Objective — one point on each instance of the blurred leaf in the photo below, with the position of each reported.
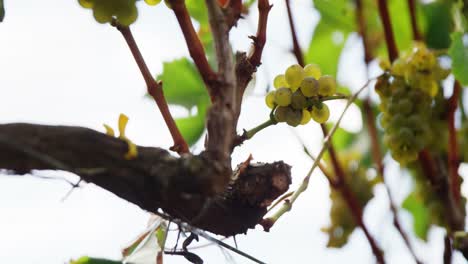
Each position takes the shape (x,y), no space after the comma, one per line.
(197,10)
(337,13)
(326,46)
(438,24)
(342,139)
(88,260)
(2,11)
(182,83)
(421,222)
(401,24)
(192,127)
(459,53)
(330,34)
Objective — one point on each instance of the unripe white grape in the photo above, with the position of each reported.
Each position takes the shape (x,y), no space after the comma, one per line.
(270,99)
(280,81)
(312,70)
(283,96)
(320,114)
(327,85)
(294,75)
(310,87)
(305,117)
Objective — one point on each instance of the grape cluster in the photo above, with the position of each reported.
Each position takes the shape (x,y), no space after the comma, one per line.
(419,68)
(342,222)
(407,91)
(124,11)
(299,93)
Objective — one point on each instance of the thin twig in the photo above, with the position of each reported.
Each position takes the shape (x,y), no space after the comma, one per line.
(414,24)
(448,249)
(453,152)
(233,12)
(194,45)
(387,25)
(296,48)
(155,90)
(260,38)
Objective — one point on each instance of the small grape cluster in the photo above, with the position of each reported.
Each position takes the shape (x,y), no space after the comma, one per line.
(419,68)
(104,11)
(299,93)
(406,91)
(342,222)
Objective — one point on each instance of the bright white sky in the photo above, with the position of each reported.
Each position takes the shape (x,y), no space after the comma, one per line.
(58,66)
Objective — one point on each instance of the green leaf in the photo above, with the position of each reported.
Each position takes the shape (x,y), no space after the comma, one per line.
(458,51)
(336,22)
(326,46)
(182,83)
(2,11)
(342,139)
(415,205)
(89,260)
(192,127)
(337,13)
(438,24)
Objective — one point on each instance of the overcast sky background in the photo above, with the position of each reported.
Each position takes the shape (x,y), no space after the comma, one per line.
(58,66)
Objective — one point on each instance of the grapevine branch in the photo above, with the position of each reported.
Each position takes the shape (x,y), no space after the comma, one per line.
(194,45)
(453,156)
(296,48)
(260,38)
(340,182)
(388,31)
(233,12)
(414,25)
(155,90)
(373,134)
(153,180)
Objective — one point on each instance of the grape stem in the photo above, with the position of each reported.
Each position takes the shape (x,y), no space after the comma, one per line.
(334,97)
(250,133)
(155,90)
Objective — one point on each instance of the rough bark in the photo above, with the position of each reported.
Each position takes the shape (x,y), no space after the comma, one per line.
(182,187)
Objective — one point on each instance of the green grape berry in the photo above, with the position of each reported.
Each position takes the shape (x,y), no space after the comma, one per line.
(86,3)
(327,85)
(320,114)
(312,70)
(102,12)
(309,87)
(280,81)
(270,99)
(305,117)
(280,113)
(283,96)
(293,117)
(127,13)
(152,2)
(298,100)
(294,75)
